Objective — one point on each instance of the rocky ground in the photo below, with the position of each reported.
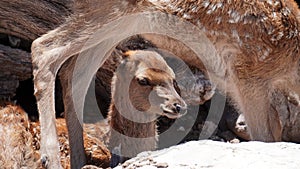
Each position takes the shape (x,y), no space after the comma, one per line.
(217,155)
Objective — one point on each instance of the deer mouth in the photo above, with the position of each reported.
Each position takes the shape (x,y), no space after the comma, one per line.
(172,114)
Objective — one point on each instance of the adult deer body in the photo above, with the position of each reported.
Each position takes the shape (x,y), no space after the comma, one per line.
(257,63)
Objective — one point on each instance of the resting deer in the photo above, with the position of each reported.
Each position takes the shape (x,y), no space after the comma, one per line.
(16,148)
(256,61)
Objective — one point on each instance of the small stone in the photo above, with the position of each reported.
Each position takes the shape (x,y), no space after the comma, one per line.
(234,141)
(161,165)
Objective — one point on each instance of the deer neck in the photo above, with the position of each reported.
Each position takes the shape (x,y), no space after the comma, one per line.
(131,128)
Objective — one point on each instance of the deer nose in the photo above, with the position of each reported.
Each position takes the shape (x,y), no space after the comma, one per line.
(177,107)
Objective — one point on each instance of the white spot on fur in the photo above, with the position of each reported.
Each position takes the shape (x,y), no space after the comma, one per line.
(286,11)
(264,54)
(264,18)
(280,35)
(270,2)
(218,20)
(186,16)
(274,14)
(296,32)
(290,35)
(205,4)
(235,16)
(170,6)
(276,3)
(235,35)
(213,7)
(248,36)
(194,9)
(262,58)
(219,5)
(209,11)
(229,12)
(270,30)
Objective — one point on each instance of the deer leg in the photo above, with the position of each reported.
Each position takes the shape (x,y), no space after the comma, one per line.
(75,129)
(262,121)
(44,92)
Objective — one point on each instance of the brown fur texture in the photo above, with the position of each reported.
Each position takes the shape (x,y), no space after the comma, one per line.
(150,85)
(16,140)
(258,58)
(258,45)
(20,141)
(95,151)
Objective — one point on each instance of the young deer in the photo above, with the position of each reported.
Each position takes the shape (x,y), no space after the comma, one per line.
(142,89)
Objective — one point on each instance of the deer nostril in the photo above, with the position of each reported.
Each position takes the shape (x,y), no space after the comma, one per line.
(177,106)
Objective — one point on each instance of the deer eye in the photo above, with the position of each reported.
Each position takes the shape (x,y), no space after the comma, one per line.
(143,81)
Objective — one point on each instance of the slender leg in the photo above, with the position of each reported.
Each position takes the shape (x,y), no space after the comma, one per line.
(44,92)
(75,130)
(262,121)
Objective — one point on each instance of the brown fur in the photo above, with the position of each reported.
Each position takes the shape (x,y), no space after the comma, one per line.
(131,123)
(259,53)
(16,140)
(257,43)
(96,152)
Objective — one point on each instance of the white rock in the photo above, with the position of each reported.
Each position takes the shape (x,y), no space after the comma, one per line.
(220,155)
